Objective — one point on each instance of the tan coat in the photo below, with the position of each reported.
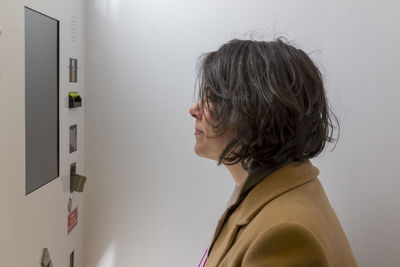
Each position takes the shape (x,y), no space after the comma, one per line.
(285,220)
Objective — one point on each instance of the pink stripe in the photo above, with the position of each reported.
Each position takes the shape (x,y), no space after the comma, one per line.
(205,262)
(203,258)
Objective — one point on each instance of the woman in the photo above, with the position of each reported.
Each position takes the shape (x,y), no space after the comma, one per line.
(262,112)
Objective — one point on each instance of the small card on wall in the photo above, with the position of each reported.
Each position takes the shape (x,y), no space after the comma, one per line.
(73,70)
(72,219)
(73,136)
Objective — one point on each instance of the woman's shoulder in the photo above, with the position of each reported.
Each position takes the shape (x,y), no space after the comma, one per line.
(302,215)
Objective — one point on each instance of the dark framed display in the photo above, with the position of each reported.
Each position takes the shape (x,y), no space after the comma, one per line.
(73,70)
(41,99)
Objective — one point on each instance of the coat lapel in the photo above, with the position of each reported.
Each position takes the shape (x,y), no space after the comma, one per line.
(277,183)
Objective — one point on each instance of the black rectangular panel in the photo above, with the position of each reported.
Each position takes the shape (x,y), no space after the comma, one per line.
(41,99)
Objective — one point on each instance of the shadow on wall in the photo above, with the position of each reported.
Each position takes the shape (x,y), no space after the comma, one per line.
(108,257)
(108,8)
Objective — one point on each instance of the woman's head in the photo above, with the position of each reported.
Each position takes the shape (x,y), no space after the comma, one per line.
(260,103)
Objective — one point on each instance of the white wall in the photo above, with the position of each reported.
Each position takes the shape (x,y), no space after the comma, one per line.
(30,223)
(151,201)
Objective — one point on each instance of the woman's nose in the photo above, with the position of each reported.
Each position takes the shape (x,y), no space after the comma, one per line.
(195,111)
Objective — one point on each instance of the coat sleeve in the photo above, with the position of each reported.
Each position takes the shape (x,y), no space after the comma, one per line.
(285,245)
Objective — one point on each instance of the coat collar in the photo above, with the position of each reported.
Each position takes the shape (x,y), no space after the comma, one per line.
(277,183)
(252,179)
(273,185)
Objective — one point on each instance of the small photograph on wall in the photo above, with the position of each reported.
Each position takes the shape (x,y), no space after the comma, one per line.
(73,70)
(73,136)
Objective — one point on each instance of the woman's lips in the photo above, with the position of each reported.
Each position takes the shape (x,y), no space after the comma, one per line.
(197,132)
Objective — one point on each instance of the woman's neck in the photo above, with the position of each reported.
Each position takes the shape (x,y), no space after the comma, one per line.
(238,173)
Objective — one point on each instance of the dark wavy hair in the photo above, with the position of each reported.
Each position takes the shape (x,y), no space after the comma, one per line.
(272,96)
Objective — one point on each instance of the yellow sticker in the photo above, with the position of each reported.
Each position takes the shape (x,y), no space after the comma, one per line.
(74,94)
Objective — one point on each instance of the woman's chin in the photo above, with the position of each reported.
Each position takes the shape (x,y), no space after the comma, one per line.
(198,152)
